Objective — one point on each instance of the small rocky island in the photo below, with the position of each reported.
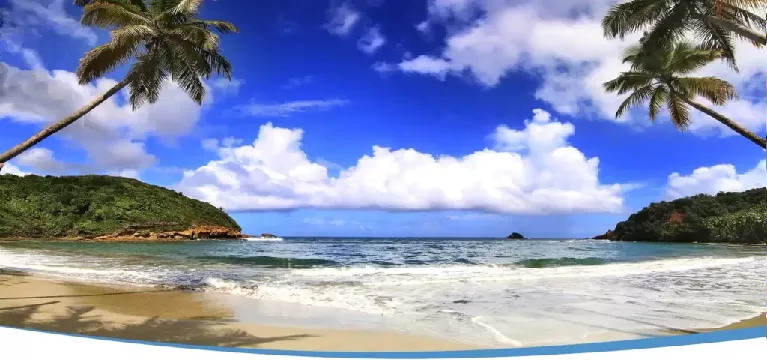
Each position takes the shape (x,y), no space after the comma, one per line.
(105,208)
(515,236)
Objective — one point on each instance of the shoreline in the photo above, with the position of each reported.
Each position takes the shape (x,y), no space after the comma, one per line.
(142,240)
(175,316)
(198,318)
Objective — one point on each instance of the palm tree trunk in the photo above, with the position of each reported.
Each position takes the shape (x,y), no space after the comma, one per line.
(54,128)
(756,139)
(755,36)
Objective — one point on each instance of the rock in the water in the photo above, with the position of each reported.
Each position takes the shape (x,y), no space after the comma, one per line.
(516,236)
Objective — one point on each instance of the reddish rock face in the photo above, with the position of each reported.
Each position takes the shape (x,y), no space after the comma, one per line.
(675,218)
(196,232)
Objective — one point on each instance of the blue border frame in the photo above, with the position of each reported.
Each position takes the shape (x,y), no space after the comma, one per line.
(665,341)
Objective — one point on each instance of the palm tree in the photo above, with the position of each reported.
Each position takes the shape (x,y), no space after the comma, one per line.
(164,38)
(714,22)
(660,80)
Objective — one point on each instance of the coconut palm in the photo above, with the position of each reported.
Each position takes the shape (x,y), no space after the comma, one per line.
(714,22)
(164,39)
(661,81)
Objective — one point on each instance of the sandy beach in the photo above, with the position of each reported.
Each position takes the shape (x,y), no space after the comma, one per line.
(173,316)
(143,313)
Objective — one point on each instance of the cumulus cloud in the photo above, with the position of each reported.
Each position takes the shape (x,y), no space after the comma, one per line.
(343,18)
(10,169)
(715,179)
(112,134)
(41,160)
(290,108)
(532,170)
(562,43)
(372,41)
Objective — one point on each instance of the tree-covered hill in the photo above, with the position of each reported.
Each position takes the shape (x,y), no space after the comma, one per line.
(730,217)
(91,206)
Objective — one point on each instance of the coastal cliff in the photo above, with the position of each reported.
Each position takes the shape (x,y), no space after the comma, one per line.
(728,217)
(105,208)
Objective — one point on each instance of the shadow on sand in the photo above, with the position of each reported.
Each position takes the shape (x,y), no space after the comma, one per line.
(83,320)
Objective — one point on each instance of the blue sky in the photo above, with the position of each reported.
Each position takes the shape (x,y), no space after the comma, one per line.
(488,117)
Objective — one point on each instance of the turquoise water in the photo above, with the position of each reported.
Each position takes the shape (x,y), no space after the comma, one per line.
(487,291)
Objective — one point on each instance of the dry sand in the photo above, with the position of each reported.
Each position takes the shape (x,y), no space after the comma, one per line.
(174,316)
(188,317)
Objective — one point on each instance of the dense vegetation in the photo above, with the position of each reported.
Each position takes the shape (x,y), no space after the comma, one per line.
(94,205)
(724,218)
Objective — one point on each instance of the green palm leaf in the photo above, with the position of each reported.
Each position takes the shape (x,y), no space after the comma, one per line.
(660,79)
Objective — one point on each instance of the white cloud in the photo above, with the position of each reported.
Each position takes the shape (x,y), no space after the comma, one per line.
(290,108)
(530,170)
(40,159)
(342,20)
(383,68)
(112,134)
(563,44)
(130,173)
(216,144)
(372,41)
(423,27)
(9,169)
(51,14)
(715,179)
(227,87)
(426,65)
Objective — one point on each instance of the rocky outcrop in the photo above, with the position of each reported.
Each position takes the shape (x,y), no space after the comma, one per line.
(608,235)
(515,236)
(197,232)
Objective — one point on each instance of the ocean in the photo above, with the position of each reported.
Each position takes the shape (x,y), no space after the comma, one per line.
(488,292)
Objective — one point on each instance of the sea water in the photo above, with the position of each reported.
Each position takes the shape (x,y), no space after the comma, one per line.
(487,292)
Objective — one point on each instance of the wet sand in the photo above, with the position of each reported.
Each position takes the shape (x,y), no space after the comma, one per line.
(145,313)
(174,316)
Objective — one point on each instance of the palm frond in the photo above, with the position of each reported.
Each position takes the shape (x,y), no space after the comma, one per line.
(107,57)
(186,7)
(637,97)
(104,14)
(628,81)
(147,77)
(222,27)
(680,113)
(631,16)
(713,36)
(137,3)
(666,30)
(714,89)
(658,100)
(165,37)
(185,75)
(158,7)
(197,36)
(686,57)
(749,5)
(743,15)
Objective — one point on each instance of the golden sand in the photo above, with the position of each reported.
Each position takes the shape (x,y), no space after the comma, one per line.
(140,313)
(174,316)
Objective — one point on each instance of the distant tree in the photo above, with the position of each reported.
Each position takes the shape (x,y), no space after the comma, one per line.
(164,38)
(660,79)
